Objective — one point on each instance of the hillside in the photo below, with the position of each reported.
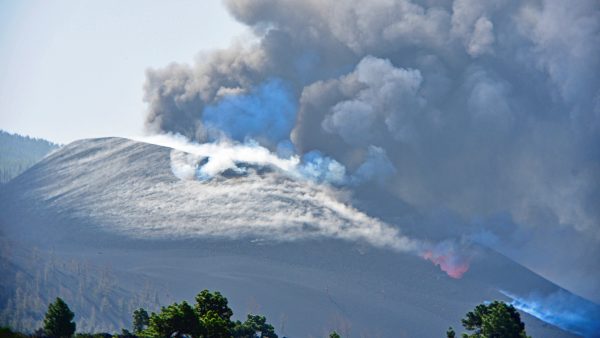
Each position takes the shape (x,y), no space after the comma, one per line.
(17,153)
(274,245)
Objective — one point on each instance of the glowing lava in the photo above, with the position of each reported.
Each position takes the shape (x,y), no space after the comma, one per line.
(451,263)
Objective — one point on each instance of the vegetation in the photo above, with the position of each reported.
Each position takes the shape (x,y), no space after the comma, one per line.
(210,317)
(493,320)
(254,326)
(18,153)
(140,320)
(59,320)
(175,320)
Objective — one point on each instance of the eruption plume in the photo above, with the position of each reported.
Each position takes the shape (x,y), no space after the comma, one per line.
(474,108)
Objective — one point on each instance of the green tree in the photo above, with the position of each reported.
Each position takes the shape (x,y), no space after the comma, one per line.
(494,320)
(450,333)
(334,335)
(174,320)
(210,318)
(214,326)
(140,320)
(59,320)
(254,326)
(213,301)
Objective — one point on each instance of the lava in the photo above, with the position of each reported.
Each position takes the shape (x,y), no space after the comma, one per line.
(450,262)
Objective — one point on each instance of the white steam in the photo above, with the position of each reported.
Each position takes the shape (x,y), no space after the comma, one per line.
(290,203)
(204,161)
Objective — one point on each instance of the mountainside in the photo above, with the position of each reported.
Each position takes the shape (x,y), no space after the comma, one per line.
(17,153)
(284,247)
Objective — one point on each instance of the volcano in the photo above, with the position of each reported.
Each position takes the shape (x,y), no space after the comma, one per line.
(107,225)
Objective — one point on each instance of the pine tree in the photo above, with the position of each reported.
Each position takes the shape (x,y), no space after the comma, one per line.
(59,320)
(174,320)
(212,301)
(496,319)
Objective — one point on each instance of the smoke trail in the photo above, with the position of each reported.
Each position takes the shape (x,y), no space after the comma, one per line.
(562,309)
(314,176)
(208,160)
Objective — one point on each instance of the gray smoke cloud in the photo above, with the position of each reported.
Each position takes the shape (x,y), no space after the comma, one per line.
(488,110)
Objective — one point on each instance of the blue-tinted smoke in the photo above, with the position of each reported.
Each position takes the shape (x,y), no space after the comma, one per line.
(319,168)
(562,309)
(267,112)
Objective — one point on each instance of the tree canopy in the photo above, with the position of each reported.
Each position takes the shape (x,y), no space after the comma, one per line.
(210,318)
(174,320)
(254,326)
(59,320)
(141,320)
(213,301)
(494,320)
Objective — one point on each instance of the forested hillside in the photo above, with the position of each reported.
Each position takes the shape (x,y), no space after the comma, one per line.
(17,153)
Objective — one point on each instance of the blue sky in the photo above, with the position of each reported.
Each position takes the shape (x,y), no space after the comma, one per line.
(75,69)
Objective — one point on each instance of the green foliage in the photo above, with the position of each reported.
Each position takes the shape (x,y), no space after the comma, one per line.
(450,333)
(210,318)
(58,321)
(254,326)
(214,326)
(212,301)
(174,320)
(334,335)
(140,320)
(494,320)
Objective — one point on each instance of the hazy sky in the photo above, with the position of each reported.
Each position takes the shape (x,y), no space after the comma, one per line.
(75,69)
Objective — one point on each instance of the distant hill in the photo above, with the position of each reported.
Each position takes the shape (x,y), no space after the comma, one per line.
(18,153)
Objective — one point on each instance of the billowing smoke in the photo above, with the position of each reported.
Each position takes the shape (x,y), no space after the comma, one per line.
(486,110)
(562,309)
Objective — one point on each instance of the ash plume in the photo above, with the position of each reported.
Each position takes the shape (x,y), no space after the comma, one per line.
(489,110)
